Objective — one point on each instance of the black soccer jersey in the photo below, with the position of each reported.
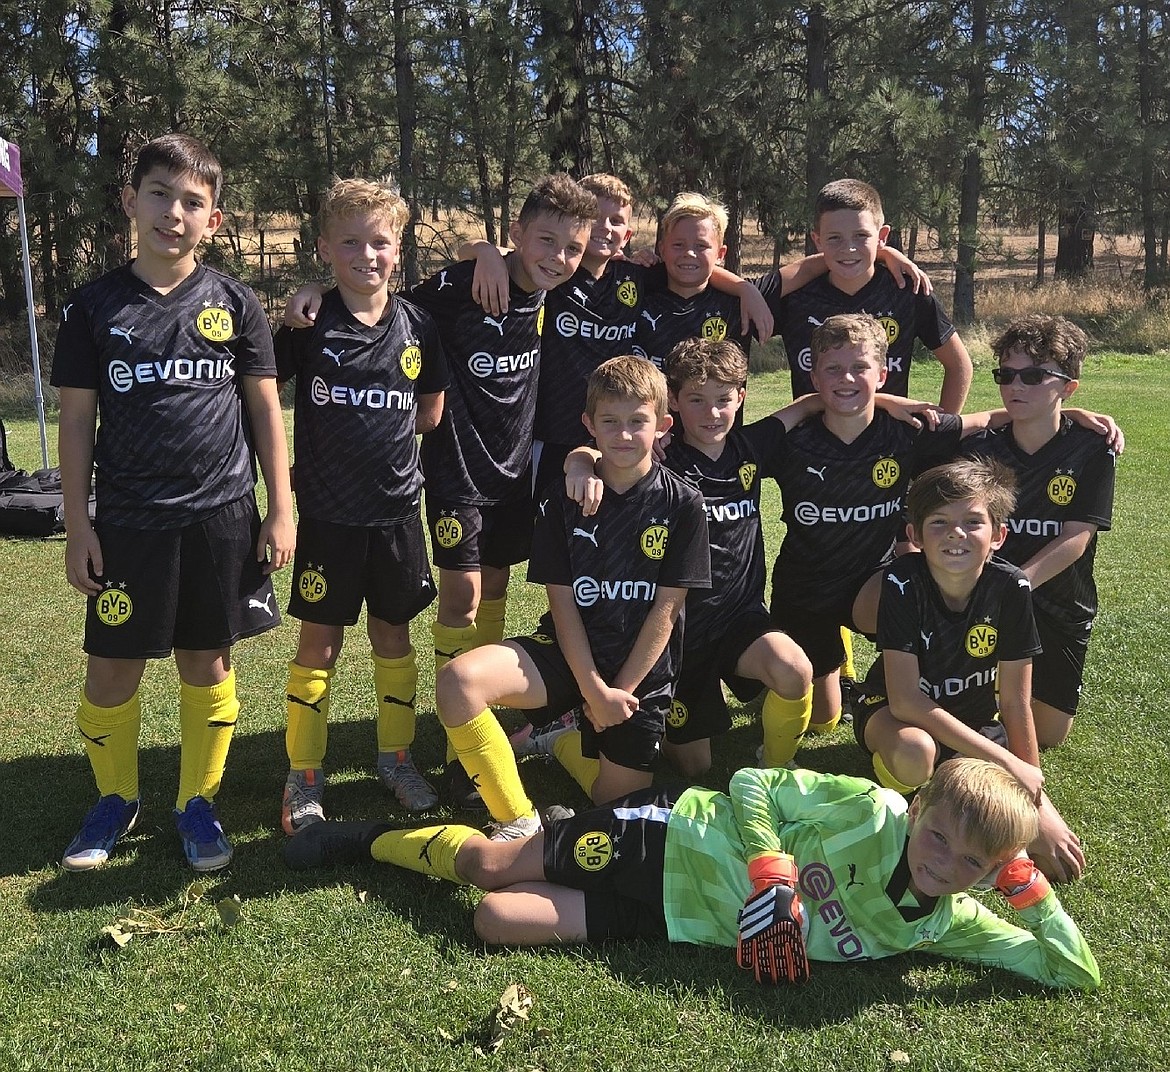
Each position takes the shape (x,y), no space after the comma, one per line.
(614,561)
(357,456)
(173,444)
(843,502)
(1070,478)
(587,321)
(483,444)
(668,318)
(731,501)
(958,651)
(906,316)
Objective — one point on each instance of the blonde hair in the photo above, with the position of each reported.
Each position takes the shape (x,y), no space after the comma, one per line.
(850,329)
(601,184)
(347,198)
(626,377)
(705,359)
(852,194)
(694,206)
(992,808)
(986,481)
(1045,338)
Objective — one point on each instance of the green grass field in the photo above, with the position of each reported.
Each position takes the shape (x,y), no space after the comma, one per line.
(372,969)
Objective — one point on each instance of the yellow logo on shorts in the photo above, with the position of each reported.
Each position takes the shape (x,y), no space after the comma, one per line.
(411,362)
(1062,488)
(113,607)
(678,714)
(653,540)
(886,472)
(747,475)
(593,851)
(541,638)
(215,324)
(981,640)
(448,531)
(311,585)
(627,293)
(714,328)
(892,328)
(540,321)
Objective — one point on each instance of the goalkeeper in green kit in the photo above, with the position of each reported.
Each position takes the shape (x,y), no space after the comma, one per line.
(787,867)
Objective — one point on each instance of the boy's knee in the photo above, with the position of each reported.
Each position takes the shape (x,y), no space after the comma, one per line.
(691,764)
(450,691)
(490,923)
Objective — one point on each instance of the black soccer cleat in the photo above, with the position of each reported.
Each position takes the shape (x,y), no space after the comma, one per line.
(332,844)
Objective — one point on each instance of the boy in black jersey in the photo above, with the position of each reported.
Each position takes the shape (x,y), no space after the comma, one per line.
(178,359)
(611,641)
(956,637)
(1066,476)
(849,229)
(370,376)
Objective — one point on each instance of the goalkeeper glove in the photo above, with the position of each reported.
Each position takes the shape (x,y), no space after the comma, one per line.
(771,935)
(1022,883)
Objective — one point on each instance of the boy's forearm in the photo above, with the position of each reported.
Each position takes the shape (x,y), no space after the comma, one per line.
(573,640)
(1015,710)
(800,409)
(652,638)
(1055,557)
(957,374)
(802,272)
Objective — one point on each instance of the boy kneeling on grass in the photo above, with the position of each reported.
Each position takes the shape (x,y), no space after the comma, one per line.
(826,867)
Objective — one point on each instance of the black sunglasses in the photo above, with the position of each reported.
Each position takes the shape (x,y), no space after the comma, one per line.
(1030,376)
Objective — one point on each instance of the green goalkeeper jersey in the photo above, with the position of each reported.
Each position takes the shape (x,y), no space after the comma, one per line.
(849,840)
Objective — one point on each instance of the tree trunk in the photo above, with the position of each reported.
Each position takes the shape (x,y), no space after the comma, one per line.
(1074,240)
(407,106)
(971,182)
(816,86)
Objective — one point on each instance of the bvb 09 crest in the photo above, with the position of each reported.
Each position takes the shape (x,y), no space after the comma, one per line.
(714,328)
(886,472)
(113,607)
(311,585)
(593,851)
(627,293)
(981,640)
(411,362)
(653,540)
(1062,488)
(747,475)
(214,324)
(678,714)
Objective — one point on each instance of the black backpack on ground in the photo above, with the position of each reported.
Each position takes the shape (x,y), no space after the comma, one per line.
(31,504)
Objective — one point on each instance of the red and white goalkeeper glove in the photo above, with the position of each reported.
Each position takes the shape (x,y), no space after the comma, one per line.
(1022,883)
(771,922)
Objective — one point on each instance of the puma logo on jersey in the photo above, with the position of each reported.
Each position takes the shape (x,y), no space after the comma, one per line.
(899,582)
(444,281)
(580,295)
(256,604)
(926,638)
(590,536)
(653,319)
(815,322)
(819,473)
(853,879)
(330,354)
(125,333)
(497,324)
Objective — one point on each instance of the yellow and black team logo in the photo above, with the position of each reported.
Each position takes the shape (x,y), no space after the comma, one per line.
(627,293)
(747,475)
(1062,488)
(448,531)
(593,851)
(653,540)
(215,324)
(892,328)
(714,328)
(678,714)
(411,362)
(540,321)
(886,472)
(113,607)
(981,640)
(311,585)
(541,638)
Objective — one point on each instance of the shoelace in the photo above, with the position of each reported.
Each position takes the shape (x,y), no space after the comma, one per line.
(103,819)
(199,824)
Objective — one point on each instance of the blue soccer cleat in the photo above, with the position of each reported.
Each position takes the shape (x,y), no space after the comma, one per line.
(204,843)
(105,822)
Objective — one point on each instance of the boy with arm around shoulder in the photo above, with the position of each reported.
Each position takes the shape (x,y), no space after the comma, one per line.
(178,359)
(370,375)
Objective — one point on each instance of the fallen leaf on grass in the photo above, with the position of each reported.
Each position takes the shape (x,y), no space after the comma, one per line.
(899,1057)
(230,909)
(451,985)
(515,1003)
(172,919)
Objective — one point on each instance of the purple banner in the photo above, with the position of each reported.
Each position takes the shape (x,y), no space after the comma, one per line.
(10,181)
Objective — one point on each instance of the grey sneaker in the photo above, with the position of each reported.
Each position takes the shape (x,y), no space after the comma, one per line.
(790,765)
(301,804)
(397,772)
(523,827)
(540,741)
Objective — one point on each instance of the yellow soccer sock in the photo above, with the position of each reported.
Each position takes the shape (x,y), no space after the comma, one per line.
(822,728)
(452,640)
(482,747)
(307,733)
(886,779)
(567,749)
(430,850)
(396,682)
(785,722)
(489,620)
(111,742)
(847,668)
(207,720)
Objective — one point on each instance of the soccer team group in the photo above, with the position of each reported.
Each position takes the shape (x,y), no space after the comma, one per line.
(582,412)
